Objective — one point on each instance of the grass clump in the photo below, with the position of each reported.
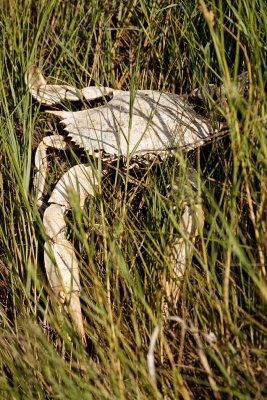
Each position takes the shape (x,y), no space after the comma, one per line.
(151,45)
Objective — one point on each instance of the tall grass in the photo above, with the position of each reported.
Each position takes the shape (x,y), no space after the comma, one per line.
(140,44)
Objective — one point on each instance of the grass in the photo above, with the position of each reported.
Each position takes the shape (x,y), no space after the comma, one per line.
(140,44)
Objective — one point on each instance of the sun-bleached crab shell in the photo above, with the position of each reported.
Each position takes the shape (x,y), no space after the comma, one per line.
(132,124)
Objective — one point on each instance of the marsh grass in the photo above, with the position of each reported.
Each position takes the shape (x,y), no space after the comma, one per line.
(140,44)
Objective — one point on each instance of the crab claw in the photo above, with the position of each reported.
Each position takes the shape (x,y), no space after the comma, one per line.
(60,260)
(74,310)
(48,94)
(62,267)
(53,94)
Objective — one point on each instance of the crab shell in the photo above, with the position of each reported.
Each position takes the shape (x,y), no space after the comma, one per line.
(133,124)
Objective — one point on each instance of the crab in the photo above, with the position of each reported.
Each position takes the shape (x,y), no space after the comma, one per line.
(135,127)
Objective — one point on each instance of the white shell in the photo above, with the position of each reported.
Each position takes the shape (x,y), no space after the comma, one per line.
(150,122)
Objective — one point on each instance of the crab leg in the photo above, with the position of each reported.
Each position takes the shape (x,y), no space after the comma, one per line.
(53,94)
(191,222)
(41,164)
(61,263)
